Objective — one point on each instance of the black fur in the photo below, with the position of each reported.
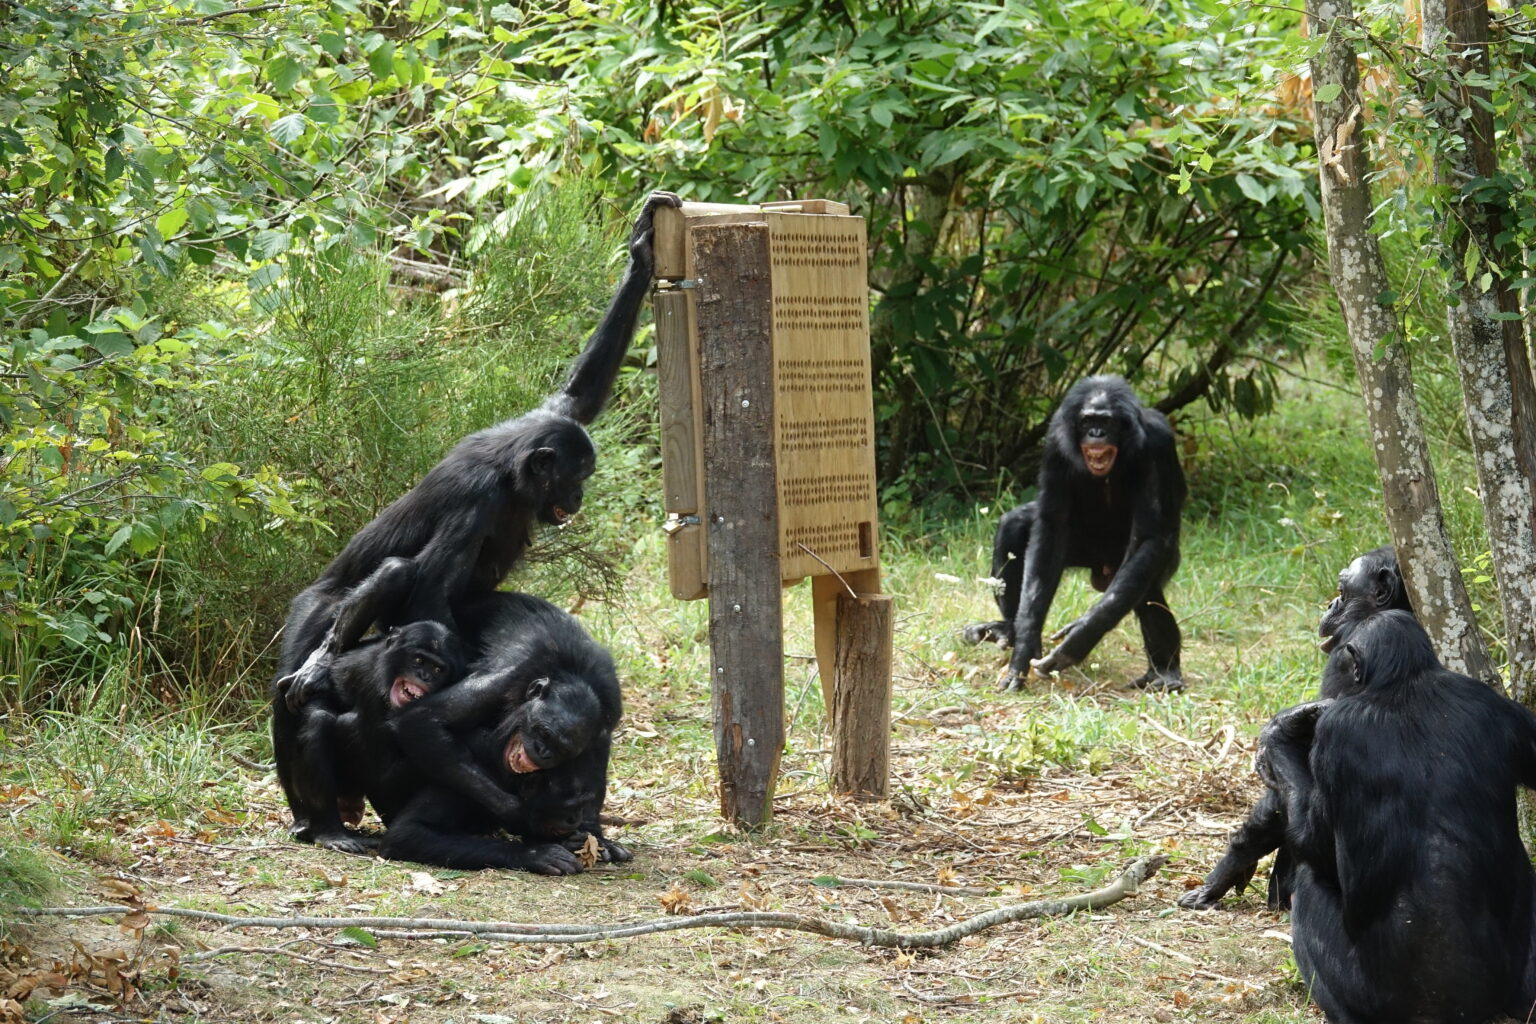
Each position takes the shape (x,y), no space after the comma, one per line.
(520,745)
(337,737)
(456,534)
(1413,894)
(1368,585)
(1119,523)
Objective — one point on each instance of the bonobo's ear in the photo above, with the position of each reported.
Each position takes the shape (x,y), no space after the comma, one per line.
(1386,584)
(542,463)
(536,688)
(1356,663)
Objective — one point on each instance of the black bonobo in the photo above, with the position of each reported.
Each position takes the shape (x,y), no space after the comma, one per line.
(324,762)
(1413,894)
(457,533)
(1368,585)
(1110,495)
(521,745)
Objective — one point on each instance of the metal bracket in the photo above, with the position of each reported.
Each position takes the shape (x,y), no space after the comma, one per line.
(676,522)
(682,282)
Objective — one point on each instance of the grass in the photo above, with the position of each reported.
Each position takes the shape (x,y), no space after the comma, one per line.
(1039,794)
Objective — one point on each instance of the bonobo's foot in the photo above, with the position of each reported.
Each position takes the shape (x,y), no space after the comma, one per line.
(550,859)
(1168,680)
(309,679)
(608,851)
(1012,680)
(1052,663)
(347,841)
(999,633)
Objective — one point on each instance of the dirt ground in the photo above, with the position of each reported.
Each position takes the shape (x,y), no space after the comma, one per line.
(955,821)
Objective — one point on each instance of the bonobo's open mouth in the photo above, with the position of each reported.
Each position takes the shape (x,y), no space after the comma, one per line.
(517,758)
(1099,457)
(405,690)
(559,515)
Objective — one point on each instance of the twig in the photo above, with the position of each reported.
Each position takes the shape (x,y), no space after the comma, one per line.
(891,883)
(246,762)
(1130,879)
(831,570)
(267,951)
(1191,744)
(1163,950)
(227,14)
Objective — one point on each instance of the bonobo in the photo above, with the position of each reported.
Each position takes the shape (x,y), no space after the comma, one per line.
(1368,585)
(520,745)
(457,533)
(323,763)
(1109,499)
(1413,894)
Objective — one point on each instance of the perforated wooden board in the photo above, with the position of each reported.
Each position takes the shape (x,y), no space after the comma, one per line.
(824,422)
(818,329)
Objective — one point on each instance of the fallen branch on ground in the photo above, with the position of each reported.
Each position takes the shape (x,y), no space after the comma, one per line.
(1130,879)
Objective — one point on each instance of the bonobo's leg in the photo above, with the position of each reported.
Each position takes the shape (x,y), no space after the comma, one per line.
(313,781)
(1261,832)
(439,827)
(1160,634)
(1008,547)
(388,588)
(1285,747)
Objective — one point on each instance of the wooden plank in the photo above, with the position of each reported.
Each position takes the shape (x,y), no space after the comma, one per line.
(733,312)
(861,696)
(673,223)
(824,415)
(681,443)
(825,590)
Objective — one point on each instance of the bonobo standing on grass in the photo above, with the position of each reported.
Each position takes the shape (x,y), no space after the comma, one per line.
(1110,495)
(1414,900)
(457,533)
(1368,585)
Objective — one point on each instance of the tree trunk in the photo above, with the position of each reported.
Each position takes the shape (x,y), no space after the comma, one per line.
(1496,383)
(1359,276)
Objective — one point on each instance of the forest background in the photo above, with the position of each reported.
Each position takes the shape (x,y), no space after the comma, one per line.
(261,264)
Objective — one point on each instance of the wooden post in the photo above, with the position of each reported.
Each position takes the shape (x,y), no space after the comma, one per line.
(860,712)
(682,452)
(733,311)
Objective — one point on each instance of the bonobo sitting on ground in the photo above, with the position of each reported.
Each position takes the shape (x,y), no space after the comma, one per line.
(521,745)
(455,535)
(325,762)
(1414,899)
(1368,585)
(1110,495)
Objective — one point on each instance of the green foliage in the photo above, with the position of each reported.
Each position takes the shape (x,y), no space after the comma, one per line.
(1050,191)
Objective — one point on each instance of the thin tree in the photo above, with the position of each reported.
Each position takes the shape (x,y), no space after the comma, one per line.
(1498,390)
(1359,277)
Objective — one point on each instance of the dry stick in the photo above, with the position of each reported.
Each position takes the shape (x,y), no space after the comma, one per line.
(837,881)
(265,951)
(1130,879)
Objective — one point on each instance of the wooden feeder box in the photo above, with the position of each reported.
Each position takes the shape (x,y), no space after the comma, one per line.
(768,464)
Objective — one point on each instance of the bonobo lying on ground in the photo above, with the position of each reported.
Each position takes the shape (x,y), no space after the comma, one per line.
(1368,585)
(1110,495)
(1413,897)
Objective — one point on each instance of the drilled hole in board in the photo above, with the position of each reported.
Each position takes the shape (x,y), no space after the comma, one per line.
(866,540)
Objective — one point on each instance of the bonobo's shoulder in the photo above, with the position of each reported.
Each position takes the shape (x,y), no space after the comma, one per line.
(1157,427)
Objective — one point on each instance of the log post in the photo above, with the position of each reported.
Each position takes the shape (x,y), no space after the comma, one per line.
(733,312)
(860,713)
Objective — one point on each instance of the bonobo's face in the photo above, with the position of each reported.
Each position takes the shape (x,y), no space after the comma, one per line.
(1355,602)
(421,657)
(1098,434)
(558,719)
(563,474)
